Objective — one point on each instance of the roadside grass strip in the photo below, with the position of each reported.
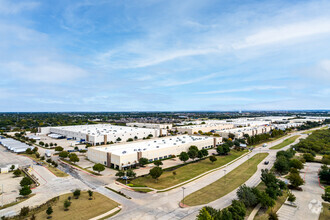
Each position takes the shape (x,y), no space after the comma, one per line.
(185,173)
(226,184)
(286,142)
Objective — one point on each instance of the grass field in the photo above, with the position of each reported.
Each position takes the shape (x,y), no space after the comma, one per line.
(286,142)
(81,208)
(53,169)
(184,173)
(325,214)
(226,184)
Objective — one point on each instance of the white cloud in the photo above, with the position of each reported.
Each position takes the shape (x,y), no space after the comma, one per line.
(14,7)
(285,32)
(44,71)
(246,89)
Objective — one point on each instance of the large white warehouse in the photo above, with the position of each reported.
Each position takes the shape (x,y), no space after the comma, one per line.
(125,155)
(100,134)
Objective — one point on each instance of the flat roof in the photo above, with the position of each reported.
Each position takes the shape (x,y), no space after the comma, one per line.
(101,129)
(152,144)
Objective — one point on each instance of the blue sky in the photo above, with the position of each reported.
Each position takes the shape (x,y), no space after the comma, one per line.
(166,55)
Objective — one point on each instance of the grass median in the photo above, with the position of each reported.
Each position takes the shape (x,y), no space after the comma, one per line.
(286,142)
(186,172)
(225,185)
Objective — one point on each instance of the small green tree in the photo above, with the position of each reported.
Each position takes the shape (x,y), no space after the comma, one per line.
(90,193)
(35,150)
(308,157)
(184,156)
(66,204)
(205,152)
(158,163)
(213,159)
(74,158)
(76,193)
(25,190)
(200,154)
(272,216)
(12,167)
(291,197)
(17,172)
(49,211)
(143,161)
(156,172)
(63,154)
(59,148)
(26,181)
(120,173)
(98,167)
(130,173)
(295,180)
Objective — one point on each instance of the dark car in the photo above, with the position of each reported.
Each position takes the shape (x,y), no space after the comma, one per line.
(266,162)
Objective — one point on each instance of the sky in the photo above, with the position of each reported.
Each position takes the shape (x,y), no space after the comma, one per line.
(155,55)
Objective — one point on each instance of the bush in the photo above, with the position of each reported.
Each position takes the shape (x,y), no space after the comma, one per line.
(17,172)
(26,181)
(24,211)
(76,193)
(308,157)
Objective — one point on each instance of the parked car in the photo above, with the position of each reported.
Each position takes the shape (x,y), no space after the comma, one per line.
(266,162)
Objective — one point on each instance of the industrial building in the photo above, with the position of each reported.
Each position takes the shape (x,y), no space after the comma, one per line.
(239,132)
(161,127)
(99,134)
(125,155)
(194,129)
(14,145)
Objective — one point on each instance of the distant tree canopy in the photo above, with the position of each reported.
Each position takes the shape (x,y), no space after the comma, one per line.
(317,142)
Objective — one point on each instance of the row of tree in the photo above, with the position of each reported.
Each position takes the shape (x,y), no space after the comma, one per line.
(316,142)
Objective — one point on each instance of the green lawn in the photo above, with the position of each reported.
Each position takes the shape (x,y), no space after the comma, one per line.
(286,142)
(184,173)
(81,208)
(226,184)
(325,214)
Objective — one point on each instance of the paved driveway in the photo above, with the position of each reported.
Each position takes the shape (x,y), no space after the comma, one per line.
(309,200)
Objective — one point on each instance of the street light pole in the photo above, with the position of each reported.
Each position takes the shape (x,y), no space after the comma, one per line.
(183,196)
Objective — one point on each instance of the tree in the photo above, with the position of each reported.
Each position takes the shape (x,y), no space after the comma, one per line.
(295,163)
(98,167)
(35,149)
(76,193)
(156,172)
(158,163)
(120,173)
(118,139)
(291,197)
(231,136)
(295,180)
(192,154)
(308,157)
(63,154)
(200,155)
(272,216)
(184,156)
(226,148)
(246,195)
(17,172)
(24,211)
(12,167)
(28,151)
(213,158)
(220,150)
(74,158)
(41,143)
(130,173)
(90,193)
(281,165)
(237,209)
(25,190)
(143,161)
(204,215)
(46,145)
(265,200)
(59,148)
(66,204)
(49,211)
(324,174)
(129,139)
(26,181)
(205,152)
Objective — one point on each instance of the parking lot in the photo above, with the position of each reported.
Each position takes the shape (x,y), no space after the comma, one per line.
(10,189)
(7,157)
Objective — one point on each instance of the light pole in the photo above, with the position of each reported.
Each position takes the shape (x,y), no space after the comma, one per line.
(183,196)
